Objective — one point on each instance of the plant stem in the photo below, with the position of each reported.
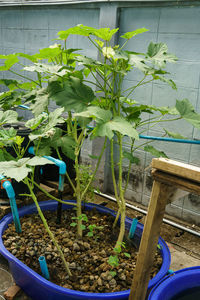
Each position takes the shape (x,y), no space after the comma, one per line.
(78,186)
(114,182)
(49,195)
(24,77)
(95,171)
(47,228)
(159,121)
(121,194)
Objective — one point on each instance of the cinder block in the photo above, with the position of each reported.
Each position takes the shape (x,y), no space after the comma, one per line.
(13,38)
(180,19)
(139,17)
(192,203)
(61,19)
(143,94)
(12,18)
(184,46)
(191,217)
(174,210)
(35,18)
(35,39)
(184,73)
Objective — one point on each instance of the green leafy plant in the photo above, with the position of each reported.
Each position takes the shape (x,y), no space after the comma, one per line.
(93,229)
(117,116)
(65,77)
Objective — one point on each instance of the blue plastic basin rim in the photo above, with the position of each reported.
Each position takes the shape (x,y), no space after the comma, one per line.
(52,205)
(177,279)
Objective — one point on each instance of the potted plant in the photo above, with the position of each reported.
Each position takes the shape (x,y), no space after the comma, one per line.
(115,116)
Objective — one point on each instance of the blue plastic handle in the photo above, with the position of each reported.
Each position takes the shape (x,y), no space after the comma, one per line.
(133,228)
(59,163)
(43,267)
(23,106)
(13,205)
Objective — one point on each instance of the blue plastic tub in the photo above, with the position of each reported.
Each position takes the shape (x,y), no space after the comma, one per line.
(178,285)
(39,288)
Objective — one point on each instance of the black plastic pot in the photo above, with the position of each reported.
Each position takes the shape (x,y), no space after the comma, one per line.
(51,172)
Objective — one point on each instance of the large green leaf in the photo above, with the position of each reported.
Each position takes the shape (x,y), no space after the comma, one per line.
(131,158)
(105,33)
(46,68)
(48,53)
(10,99)
(5,156)
(10,60)
(39,101)
(158,54)
(72,94)
(7,137)
(9,116)
(187,112)
(47,129)
(154,151)
(15,169)
(138,62)
(32,58)
(129,35)
(102,33)
(117,124)
(19,170)
(98,114)
(166,80)
(67,145)
(35,122)
(10,83)
(38,161)
(58,140)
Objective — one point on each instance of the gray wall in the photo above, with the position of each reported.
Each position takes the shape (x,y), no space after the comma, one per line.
(28,28)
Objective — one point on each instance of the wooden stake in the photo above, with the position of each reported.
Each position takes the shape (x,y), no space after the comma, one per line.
(168,175)
(148,245)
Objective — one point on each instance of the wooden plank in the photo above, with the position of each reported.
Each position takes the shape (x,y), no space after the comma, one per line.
(149,241)
(181,183)
(54,184)
(177,168)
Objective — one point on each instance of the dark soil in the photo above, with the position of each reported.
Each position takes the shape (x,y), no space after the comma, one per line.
(88,258)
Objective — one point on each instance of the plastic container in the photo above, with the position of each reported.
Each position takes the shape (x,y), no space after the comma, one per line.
(50,172)
(5,281)
(182,285)
(39,288)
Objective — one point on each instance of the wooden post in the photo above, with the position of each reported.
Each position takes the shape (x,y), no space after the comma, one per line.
(148,245)
(167,174)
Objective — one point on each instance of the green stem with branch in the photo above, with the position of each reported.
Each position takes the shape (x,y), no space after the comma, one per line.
(121,195)
(95,171)
(51,235)
(78,185)
(51,196)
(24,77)
(114,182)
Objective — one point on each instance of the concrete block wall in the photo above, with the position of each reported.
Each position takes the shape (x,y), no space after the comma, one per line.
(29,28)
